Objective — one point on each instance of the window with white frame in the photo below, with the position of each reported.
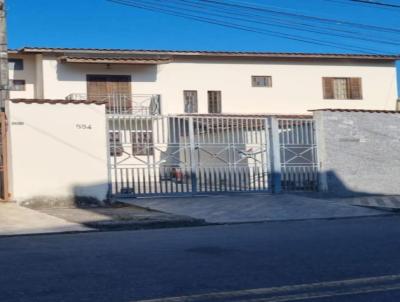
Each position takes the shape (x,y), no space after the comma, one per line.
(190,101)
(214,102)
(17,85)
(116,148)
(261,81)
(142,143)
(16,64)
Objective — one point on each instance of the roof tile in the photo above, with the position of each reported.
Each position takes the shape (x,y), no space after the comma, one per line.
(356,110)
(259,54)
(57,101)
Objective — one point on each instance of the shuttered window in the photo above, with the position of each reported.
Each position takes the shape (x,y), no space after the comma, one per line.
(214,102)
(342,88)
(261,81)
(115,89)
(190,101)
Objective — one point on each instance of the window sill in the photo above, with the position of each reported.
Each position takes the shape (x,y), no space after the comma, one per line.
(343,99)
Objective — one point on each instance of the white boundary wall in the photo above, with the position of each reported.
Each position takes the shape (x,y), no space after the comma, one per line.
(58,151)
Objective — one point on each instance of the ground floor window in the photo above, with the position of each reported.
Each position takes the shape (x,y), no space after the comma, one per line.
(142,143)
(116,148)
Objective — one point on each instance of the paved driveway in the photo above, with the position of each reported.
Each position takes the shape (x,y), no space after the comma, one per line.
(253,207)
(17,220)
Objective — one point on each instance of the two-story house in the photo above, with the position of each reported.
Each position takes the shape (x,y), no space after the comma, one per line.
(176,82)
(182,121)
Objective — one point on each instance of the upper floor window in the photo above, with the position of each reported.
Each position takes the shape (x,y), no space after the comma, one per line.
(342,88)
(190,101)
(17,85)
(261,81)
(214,102)
(16,64)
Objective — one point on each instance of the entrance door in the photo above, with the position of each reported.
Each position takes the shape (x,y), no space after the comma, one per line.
(115,89)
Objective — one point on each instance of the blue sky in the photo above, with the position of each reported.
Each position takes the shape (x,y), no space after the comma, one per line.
(102,24)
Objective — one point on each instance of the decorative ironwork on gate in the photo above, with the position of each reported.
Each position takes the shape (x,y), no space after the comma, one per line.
(298,155)
(187,154)
(191,154)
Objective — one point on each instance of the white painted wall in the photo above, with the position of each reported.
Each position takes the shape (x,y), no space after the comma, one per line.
(28,74)
(51,157)
(297,86)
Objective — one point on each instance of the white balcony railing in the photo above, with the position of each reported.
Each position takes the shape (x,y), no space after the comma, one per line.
(135,104)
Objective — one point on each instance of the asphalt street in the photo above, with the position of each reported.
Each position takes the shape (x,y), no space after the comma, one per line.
(315,260)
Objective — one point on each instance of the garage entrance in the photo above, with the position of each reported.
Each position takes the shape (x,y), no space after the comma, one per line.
(157,155)
(194,154)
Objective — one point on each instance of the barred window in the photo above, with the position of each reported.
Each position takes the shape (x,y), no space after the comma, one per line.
(190,101)
(261,81)
(17,85)
(214,102)
(142,143)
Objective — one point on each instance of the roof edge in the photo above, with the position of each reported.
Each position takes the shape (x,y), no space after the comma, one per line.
(355,110)
(206,53)
(57,101)
(109,60)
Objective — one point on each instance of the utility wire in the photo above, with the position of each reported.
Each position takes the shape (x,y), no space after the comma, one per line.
(378,3)
(181,13)
(358,5)
(288,25)
(263,8)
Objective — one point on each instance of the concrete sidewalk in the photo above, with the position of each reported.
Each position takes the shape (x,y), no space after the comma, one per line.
(381,202)
(17,220)
(119,217)
(173,212)
(237,208)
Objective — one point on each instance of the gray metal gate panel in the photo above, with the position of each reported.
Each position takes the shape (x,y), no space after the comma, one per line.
(192,154)
(156,155)
(230,154)
(298,154)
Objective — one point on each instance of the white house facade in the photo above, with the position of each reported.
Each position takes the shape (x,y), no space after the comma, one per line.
(103,122)
(209,82)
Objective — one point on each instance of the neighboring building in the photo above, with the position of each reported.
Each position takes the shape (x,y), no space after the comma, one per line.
(206,82)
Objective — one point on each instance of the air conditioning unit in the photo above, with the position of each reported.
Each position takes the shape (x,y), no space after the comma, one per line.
(76,97)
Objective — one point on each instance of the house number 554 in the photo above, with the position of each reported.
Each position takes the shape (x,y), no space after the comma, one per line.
(84,126)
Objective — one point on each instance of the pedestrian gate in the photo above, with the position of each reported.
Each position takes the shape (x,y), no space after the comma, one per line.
(193,154)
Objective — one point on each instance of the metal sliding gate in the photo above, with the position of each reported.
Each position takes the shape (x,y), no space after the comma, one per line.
(191,154)
(187,154)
